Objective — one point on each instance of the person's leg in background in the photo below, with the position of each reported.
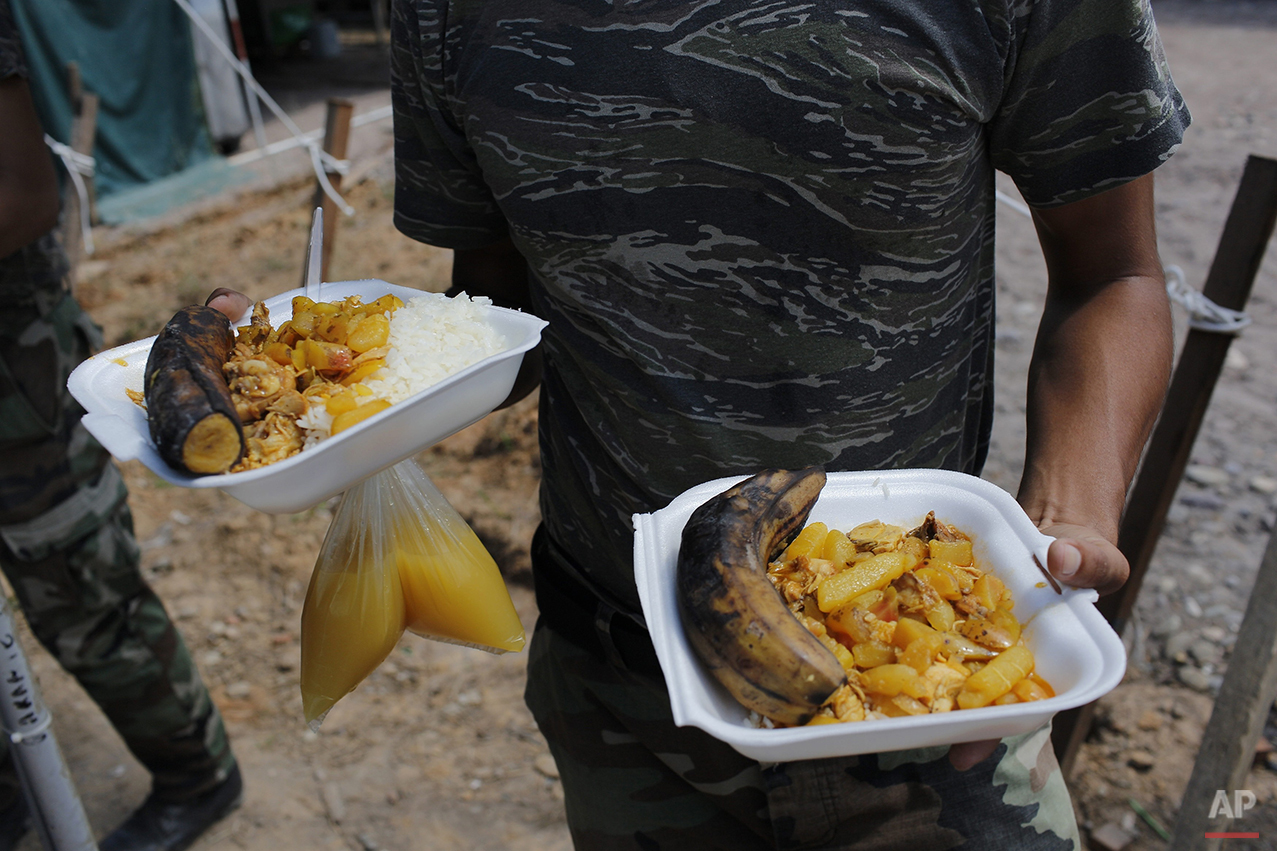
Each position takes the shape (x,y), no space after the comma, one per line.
(67,548)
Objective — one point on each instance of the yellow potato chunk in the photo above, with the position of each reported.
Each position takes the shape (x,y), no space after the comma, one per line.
(956,552)
(358,415)
(891,680)
(872,654)
(369,333)
(996,678)
(869,575)
(810,542)
(838,548)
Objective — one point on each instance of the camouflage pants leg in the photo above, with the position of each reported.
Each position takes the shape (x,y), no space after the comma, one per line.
(67,548)
(633,780)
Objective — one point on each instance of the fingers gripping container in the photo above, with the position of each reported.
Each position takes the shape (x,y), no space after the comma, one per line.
(310,477)
(1076,650)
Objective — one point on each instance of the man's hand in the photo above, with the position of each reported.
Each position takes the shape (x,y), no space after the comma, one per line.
(28,184)
(499,272)
(1084,558)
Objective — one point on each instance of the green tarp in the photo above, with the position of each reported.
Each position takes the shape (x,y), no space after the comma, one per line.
(135,55)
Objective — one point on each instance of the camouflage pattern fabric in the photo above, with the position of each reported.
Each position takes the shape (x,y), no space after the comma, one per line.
(633,780)
(761,232)
(67,548)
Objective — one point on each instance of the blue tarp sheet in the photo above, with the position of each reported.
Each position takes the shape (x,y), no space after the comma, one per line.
(136,56)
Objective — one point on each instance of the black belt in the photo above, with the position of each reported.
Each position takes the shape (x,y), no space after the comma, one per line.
(576,610)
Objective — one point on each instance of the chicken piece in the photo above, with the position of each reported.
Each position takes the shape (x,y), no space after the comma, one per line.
(847,705)
(945,681)
(876,537)
(933,529)
(255,334)
(270,439)
(257,383)
(290,403)
(883,631)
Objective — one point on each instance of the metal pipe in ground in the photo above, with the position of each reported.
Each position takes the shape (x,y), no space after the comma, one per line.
(60,820)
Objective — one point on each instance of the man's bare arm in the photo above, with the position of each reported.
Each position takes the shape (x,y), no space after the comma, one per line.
(1096,382)
(1098,376)
(28,184)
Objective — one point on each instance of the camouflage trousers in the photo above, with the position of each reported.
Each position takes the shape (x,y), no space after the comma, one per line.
(634,780)
(68,550)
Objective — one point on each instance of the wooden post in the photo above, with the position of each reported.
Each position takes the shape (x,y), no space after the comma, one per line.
(1228,284)
(336,140)
(1227,750)
(84,122)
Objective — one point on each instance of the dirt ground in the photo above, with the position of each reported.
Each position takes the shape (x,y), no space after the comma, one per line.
(436,749)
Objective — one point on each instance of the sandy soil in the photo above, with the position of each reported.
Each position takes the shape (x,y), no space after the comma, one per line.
(436,750)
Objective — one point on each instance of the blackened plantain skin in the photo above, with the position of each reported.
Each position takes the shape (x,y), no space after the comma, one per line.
(736,621)
(190,413)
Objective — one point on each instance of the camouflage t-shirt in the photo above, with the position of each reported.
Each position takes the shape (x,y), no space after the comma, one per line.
(762,232)
(40,265)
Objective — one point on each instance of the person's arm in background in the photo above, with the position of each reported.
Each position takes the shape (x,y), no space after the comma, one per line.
(1097,379)
(28,184)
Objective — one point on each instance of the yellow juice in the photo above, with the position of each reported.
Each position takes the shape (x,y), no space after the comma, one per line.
(351,620)
(453,590)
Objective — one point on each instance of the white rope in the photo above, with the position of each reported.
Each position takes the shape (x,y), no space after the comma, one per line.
(79,166)
(379,114)
(1203,314)
(321,160)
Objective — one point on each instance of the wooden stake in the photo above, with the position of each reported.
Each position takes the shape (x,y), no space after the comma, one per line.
(336,140)
(1228,745)
(84,122)
(1232,275)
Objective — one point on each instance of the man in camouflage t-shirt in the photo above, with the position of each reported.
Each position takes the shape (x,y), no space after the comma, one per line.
(762,235)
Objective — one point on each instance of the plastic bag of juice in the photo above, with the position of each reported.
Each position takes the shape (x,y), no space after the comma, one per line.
(396,556)
(354,611)
(452,588)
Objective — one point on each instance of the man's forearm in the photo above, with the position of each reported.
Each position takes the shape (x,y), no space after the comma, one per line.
(1096,384)
(1098,375)
(497,271)
(28,184)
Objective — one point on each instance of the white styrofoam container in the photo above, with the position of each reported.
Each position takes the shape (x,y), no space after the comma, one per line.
(310,477)
(1075,649)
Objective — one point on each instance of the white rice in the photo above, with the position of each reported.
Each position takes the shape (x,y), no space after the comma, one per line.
(432,337)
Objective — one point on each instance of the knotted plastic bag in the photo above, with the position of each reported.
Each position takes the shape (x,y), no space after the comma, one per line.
(397,556)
